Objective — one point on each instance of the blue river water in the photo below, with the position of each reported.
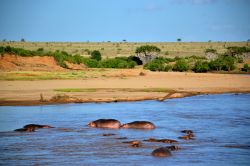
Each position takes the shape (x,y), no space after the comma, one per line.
(221,124)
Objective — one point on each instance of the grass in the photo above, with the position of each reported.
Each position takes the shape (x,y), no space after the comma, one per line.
(163,90)
(109,49)
(41,75)
(59,75)
(76,90)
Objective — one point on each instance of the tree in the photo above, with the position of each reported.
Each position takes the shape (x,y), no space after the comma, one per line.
(179,39)
(96,55)
(22,40)
(147,50)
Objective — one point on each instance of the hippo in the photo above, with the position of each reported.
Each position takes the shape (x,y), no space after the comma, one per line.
(105,123)
(28,129)
(173,148)
(187,137)
(161,152)
(37,126)
(134,143)
(108,134)
(122,138)
(160,140)
(187,131)
(139,125)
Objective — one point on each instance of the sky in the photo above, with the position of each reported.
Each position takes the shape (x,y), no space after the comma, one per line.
(131,20)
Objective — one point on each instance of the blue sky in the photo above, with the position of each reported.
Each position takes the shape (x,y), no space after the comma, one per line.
(133,20)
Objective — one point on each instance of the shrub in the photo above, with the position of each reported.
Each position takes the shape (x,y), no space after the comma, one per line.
(223,62)
(155,65)
(201,67)
(210,50)
(40,49)
(245,67)
(119,62)
(237,50)
(96,55)
(181,65)
(168,68)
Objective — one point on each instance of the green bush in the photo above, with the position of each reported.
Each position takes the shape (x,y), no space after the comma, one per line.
(96,55)
(181,65)
(168,68)
(120,62)
(91,63)
(155,65)
(237,50)
(201,67)
(210,50)
(40,49)
(223,62)
(245,68)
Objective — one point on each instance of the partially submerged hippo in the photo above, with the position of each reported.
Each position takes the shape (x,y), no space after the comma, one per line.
(160,140)
(28,129)
(32,127)
(187,131)
(105,123)
(139,125)
(134,143)
(161,152)
(37,126)
(189,135)
(173,148)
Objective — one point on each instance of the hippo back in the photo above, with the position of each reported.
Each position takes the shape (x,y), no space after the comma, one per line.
(107,123)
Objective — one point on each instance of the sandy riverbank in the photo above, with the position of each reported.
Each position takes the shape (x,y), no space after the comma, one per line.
(131,87)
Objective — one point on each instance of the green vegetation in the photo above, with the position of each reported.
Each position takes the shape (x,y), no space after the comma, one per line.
(245,68)
(159,64)
(223,62)
(76,90)
(181,65)
(118,62)
(147,50)
(38,75)
(210,50)
(237,50)
(182,49)
(201,67)
(96,55)
(62,56)
(226,60)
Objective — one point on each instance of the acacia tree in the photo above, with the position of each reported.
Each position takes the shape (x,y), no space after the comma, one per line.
(147,50)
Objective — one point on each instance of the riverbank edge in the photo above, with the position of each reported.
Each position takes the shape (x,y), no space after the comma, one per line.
(68,99)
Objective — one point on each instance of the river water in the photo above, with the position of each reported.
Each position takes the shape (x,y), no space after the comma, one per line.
(221,124)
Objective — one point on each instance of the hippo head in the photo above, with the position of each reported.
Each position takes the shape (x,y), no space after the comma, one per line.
(30,129)
(125,126)
(92,124)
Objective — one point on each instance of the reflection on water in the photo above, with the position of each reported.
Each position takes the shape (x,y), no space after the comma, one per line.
(220,123)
